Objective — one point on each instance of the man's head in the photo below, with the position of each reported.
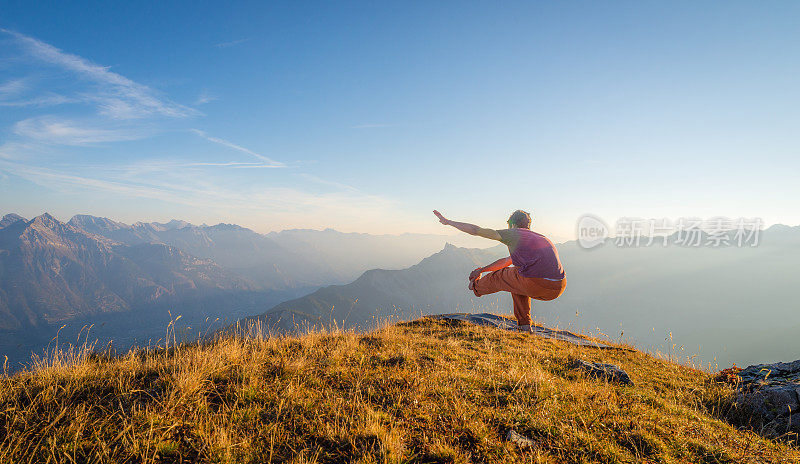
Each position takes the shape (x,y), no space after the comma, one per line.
(519,219)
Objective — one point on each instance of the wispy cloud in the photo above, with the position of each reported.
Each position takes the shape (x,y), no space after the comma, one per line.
(49,129)
(12,87)
(240,148)
(120,109)
(232,43)
(13,94)
(116,96)
(370,126)
(49,99)
(204,97)
(155,166)
(233,165)
(321,181)
(127,110)
(14,150)
(287,205)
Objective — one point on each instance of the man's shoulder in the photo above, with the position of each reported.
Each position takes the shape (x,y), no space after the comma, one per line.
(537,236)
(516,233)
(507,235)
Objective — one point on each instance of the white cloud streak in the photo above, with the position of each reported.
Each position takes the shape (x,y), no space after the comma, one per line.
(371,126)
(232,43)
(13,150)
(117,97)
(150,167)
(204,97)
(329,183)
(51,99)
(52,130)
(233,146)
(12,87)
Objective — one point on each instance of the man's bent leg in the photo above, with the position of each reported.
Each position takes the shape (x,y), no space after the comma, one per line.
(522,309)
(509,280)
(503,280)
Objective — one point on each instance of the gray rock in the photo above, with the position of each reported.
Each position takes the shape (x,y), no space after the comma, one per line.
(770,395)
(520,440)
(784,372)
(608,372)
(506,323)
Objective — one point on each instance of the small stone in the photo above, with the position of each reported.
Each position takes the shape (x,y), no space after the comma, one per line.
(520,440)
(609,372)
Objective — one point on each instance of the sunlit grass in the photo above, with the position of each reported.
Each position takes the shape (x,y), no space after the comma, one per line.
(426,392)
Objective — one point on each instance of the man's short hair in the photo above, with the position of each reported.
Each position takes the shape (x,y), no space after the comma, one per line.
(520,219)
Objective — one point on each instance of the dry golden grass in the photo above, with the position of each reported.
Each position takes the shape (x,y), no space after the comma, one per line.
(420,392)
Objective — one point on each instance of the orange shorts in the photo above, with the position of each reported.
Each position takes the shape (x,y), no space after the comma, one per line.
(522,289)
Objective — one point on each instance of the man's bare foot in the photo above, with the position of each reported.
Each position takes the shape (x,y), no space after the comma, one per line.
(471,286)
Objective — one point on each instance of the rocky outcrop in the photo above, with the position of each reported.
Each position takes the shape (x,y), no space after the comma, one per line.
(603,371)
(770,395)
(507,323)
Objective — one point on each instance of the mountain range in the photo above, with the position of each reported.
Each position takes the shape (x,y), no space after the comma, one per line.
(297,258)
(127,281)
(51,272)
(437,284)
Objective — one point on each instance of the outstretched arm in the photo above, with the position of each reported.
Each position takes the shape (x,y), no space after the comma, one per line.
(495,266)
(471,229)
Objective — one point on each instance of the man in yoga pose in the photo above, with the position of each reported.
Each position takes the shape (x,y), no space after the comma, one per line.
(536,272)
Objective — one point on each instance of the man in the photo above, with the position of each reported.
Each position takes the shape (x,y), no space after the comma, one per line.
(536,272)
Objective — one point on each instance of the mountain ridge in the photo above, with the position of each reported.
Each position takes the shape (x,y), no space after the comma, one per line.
(92,270)
(51,272)
(435,283)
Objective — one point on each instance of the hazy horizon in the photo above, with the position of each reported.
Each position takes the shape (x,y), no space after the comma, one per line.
(702,294)
(458,238)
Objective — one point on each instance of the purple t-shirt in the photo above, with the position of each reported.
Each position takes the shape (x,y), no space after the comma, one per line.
(533,254)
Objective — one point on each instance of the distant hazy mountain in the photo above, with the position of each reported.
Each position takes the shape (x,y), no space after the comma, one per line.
(298,258)
(9,219)
(353,253)
(732,304)
(125,280)
(437,284)
(51,272)
(54,274)
(264,263)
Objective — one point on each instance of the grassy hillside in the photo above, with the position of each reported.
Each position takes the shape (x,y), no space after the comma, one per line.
(420,392)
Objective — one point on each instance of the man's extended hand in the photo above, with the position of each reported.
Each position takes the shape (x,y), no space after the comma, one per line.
(442,219)
(475,274)
(468,228)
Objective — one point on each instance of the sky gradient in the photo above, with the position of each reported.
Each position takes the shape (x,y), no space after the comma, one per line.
(366,116)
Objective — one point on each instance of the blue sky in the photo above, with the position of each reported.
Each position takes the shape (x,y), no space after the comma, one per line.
(366,116)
